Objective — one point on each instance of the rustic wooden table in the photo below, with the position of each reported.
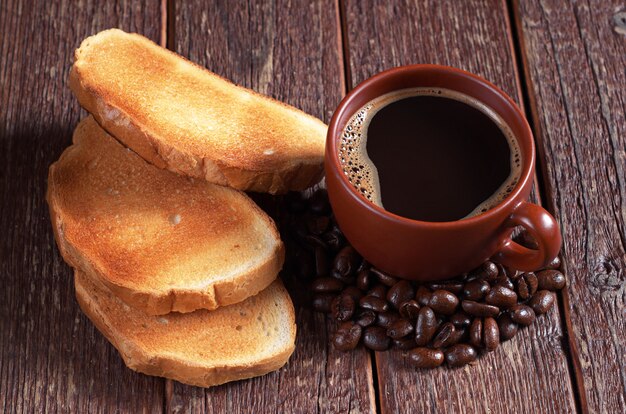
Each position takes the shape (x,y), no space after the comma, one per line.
(562,61)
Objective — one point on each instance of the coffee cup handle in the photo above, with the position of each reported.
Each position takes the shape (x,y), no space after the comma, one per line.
(542,227)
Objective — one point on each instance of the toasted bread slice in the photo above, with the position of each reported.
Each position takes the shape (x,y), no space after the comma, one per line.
(182,117)
(201,348)
(160,241)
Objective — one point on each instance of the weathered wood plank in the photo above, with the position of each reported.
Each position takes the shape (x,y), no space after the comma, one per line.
(51,357)
(291,51)
(574,66)
(529,373)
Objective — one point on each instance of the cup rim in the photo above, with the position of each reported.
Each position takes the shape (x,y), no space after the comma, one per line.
(508,204)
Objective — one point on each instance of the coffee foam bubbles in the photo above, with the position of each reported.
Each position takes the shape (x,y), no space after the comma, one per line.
(363,174)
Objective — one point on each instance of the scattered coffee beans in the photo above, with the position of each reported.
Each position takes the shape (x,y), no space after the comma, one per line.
(501,297)
(551,280)
(526,285)
(460,354)
(522,314)
(445,336)
(426,357)
(399,293)
(491,334)
(507,327)
(542,302)
(479,309)
(399,328)
(450,320)
(342,307)
(347,336)
(409,309)
(376,339)
(426,326)
(476,289)
(443,302)
(326,284)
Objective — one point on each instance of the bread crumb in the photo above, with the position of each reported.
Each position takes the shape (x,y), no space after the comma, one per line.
(175,219)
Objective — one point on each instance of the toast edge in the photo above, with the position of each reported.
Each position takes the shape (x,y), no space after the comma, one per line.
(182,371)
(296,176)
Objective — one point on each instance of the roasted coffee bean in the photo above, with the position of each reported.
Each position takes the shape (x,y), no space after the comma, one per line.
(476,332)
(542,301)
(425,326)
(444,335)
(363,279)
(426,357)
(409,309)
(321,262)
(491,334)
(487,271)
(318,203)
(354,292)
(479,309)
(374,303)
(400,293)
(443,302)
(554,263)
(454,286)
(422,295)
(345,264)
(326,284)
(457,336)
(383,277)
(317,225)
(400,328)
(501,297)
(378,291)
(313,241)
(522,314)
(501,270)
(385,319)
(347,336)
(404,344)
(550,280)
(526,285)
(461,320)
(460,354)
(343,307)
(375,338)
(476,289)
(503,281)
(365,317)
(334,239)
(510,272)
(322,302)
(363,266)
(507,327)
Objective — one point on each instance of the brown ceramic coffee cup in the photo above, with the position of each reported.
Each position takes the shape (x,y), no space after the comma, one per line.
(423,250)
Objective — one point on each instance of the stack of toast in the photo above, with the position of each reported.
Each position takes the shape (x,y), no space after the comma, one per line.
(173,262)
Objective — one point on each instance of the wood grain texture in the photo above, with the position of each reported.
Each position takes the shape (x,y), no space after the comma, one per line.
(51,357)
(529,373)
(290,51)
(574,61)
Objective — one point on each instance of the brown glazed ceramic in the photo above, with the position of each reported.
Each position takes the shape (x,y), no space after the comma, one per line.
(426,250)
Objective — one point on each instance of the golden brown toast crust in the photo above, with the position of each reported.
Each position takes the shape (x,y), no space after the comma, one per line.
(202,348)
(159,241)
(179,116)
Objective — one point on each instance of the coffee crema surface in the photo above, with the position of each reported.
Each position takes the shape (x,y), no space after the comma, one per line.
(430,154)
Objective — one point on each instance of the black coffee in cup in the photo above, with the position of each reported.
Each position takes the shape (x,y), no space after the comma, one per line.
(430,154)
